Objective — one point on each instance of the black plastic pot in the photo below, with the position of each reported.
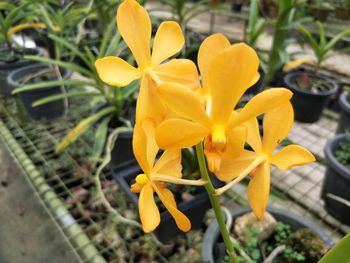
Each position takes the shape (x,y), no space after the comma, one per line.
(344,122)
(336,182)
(308,106)
(236,8)
(7,67)
(194,209)
(47,111)
(212,235)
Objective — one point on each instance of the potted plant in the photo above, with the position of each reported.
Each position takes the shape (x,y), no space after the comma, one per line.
(282,237)
(344,102)
(13,19)
(115,108)
(337,181)
(236,6)
(202,116)
(31,77)
(311,89)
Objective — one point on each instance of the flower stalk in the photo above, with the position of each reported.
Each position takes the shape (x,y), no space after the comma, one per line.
(215,203)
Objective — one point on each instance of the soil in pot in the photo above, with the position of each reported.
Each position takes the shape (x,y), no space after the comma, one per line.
(35,74)
(344,122)
(311,93)
(296,239)
(336,185)
(10,60)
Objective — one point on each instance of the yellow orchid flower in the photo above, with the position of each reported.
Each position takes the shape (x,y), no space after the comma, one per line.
(210,47)
(134,25)
(155,176)
(227,76)
(277,124)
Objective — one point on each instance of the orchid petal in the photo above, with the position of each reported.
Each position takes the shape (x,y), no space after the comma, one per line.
(115,71)
(148,210)
(261,103)
(183,102)
(259,189)
(229,76)
(167,198)
(253,137)
(134,26)
(277,124)
(181,71)
(144,144)
(148,103)
(169,164)
(168,41)
(235,142)
(210,47)
(233,168)
(178,134)
(291,155)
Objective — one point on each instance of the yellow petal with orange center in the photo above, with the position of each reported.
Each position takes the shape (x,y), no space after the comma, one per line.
(183,102)
(116,72)
(210,47)
(259,189)
(277,124)
(148,210)
(229,75)
(181,71)
(144,144)
(168,41)
(291,155)
(167,198)
(169,163)
(134,25)
(178,134)
(148,102)
(261,103)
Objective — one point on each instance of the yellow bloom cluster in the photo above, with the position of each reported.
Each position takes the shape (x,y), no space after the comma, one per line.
(178,109)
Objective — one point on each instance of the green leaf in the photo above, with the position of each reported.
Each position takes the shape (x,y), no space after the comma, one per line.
(67,65)
(53,83)
(336,39)
(81,128)
(106,39)
(311,41)
(63,96)
(71,47)
(339,253)
(322,34)
(100,138)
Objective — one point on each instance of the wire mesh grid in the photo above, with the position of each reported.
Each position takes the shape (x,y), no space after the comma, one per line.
(70,176)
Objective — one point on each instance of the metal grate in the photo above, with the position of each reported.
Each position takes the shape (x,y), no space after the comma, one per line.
(70,176)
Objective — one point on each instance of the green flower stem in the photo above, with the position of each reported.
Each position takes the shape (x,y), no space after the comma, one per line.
(215,203)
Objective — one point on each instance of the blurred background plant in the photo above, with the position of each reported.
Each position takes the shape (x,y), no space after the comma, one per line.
(320,44)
